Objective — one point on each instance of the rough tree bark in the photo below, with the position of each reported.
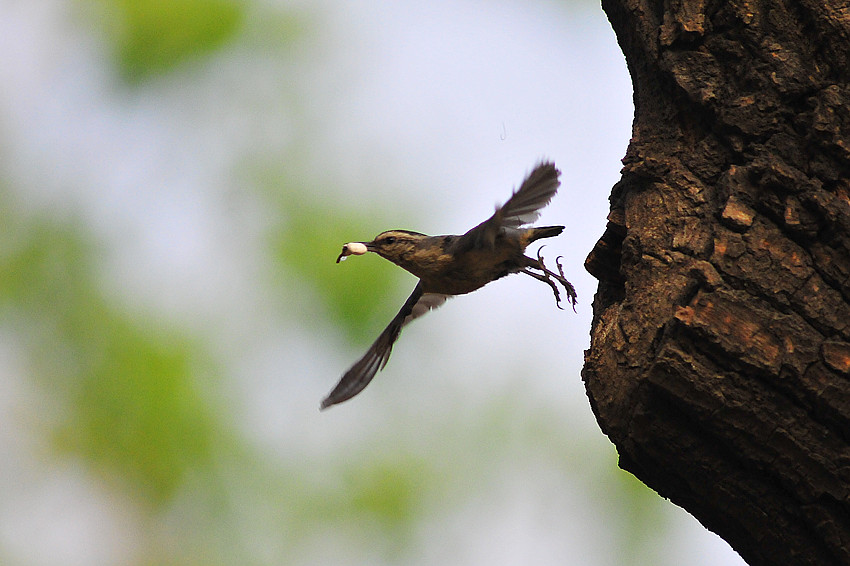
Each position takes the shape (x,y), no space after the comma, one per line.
(720,356)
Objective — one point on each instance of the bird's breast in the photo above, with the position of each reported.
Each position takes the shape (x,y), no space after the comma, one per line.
(471,270)
(423,263)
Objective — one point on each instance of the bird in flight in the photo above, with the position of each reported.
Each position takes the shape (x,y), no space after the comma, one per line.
(454,265)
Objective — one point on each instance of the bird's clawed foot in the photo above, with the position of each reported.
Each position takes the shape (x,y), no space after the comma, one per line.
(550,277)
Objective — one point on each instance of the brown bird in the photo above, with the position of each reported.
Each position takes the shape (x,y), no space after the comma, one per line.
(454,265)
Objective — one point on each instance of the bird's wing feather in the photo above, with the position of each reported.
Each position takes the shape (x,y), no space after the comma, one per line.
(427,302)
(362,372)
(533,195)
(522,208)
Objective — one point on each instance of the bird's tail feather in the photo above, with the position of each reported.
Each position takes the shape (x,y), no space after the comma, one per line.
(545,232)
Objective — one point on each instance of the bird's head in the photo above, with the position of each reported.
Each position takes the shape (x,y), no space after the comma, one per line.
(392,245)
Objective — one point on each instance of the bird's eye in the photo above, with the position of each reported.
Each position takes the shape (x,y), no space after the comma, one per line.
(389,240)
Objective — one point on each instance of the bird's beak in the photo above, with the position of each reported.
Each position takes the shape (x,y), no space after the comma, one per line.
(353,248)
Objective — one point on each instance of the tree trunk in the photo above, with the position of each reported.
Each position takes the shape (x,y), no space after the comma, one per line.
(720,357)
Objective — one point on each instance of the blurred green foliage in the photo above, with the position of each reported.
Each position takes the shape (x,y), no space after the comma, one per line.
(136,410)
(389,488)
(122,391)
(355,293)
(153,36)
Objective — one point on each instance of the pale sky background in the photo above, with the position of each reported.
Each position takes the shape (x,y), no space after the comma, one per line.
(432,111)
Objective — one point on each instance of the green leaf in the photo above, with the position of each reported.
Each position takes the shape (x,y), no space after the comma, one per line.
(122,392)
(154,36)
(355,292)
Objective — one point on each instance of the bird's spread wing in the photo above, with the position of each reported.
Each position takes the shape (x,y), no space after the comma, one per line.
(522,208)
(361,373)
(533,195)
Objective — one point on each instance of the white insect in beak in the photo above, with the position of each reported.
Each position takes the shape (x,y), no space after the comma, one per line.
(352,248)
